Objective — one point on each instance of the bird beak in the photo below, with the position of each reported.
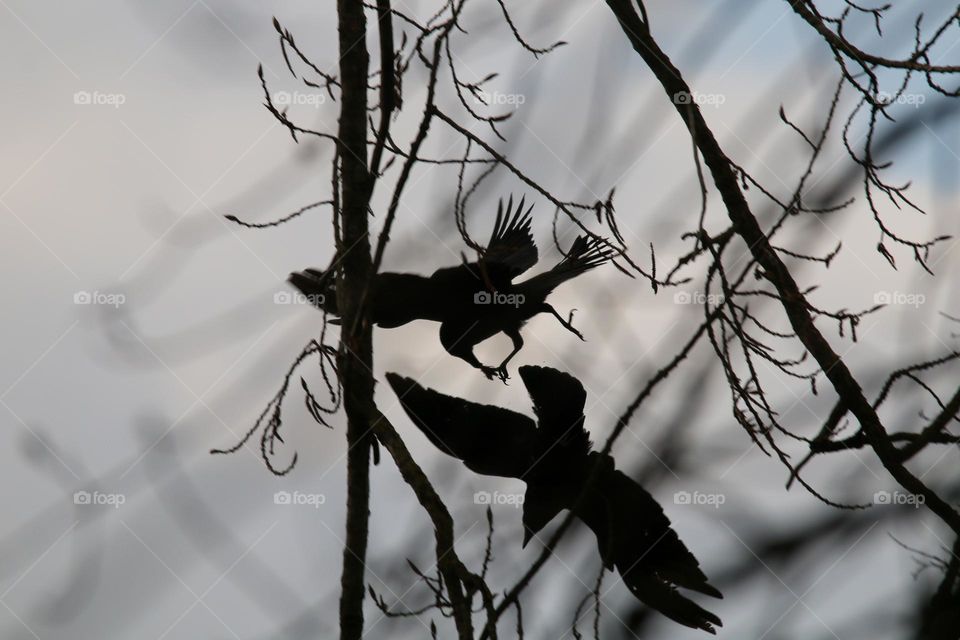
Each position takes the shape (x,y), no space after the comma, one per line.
(527,535)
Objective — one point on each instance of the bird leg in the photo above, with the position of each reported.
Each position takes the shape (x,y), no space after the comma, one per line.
(457,343)
(517,339)
(500,372)
(468,356)
(566,323)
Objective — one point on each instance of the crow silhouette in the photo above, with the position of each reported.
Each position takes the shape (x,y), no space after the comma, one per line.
(474,300)
(553,457)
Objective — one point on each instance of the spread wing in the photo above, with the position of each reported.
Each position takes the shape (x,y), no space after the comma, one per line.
(511,249)
(558,400)
(489,440)
(636,536)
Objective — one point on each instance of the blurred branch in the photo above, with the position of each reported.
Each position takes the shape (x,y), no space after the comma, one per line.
(918,60)
(941,617)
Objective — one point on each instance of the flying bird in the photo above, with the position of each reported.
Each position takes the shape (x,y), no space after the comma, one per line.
(474,300)
(554,457)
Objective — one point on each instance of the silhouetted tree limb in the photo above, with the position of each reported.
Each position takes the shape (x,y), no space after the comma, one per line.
(356,337)
(774,270)
(456,576)
(918,60)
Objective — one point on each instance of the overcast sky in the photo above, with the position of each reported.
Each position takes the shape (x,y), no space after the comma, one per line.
(141,328)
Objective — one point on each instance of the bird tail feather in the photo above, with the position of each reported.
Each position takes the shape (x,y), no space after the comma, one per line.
(667,600)
(586,253)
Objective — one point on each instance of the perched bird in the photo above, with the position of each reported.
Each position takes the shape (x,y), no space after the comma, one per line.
(553,457)
(474,300)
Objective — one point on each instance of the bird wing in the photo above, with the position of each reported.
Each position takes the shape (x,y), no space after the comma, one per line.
(511,249)
(558,400)
(489,440)
(635,535)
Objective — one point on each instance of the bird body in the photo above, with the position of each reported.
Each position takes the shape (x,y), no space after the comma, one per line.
(554,457)
(472,301)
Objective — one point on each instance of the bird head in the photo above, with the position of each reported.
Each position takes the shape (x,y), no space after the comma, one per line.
(319,288)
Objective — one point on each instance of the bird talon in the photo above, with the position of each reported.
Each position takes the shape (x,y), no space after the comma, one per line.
(499,372)
(573,329)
